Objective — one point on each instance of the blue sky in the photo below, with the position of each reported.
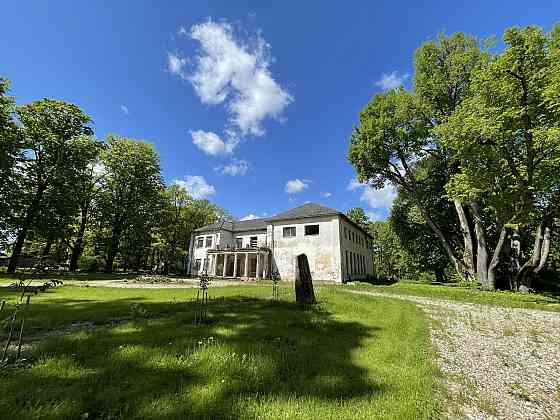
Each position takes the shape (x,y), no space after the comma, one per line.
(249,103)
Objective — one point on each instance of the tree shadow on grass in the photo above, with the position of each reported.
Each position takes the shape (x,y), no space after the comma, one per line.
(252,352)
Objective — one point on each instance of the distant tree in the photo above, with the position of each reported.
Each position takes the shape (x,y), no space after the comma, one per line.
(55,145)
(358,215)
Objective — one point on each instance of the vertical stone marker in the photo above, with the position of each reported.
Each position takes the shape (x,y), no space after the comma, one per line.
(304,283)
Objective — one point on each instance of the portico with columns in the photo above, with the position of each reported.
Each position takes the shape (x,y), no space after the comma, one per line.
(244,263)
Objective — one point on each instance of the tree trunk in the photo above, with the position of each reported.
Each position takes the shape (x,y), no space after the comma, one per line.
(113,248)
(78,246)
(304,282)
(481,250)
(523,278)
(47,248)
(22,234)
(545,249)
(468,253)
(496,259)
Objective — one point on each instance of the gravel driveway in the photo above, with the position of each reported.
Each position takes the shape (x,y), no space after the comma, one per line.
(498,363)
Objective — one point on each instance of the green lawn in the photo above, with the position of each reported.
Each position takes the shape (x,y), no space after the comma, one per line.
(455,292)
(348,357)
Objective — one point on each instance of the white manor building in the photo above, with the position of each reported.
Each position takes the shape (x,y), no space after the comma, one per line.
(337,249)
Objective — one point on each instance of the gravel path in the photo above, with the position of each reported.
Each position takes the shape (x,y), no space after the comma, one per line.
(498,363)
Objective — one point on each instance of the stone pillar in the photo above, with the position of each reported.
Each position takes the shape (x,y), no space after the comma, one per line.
(265,265)
(235,265)
(257,274)
(225,265)
(246,267)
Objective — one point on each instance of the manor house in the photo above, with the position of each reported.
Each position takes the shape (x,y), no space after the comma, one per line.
(337,249)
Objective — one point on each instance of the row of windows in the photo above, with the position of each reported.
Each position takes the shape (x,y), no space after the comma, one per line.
(253,241)
(200,242)
(309,230)
(355,263)
(357,238)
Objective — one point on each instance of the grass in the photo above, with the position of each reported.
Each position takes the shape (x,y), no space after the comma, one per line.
(348,357)
(547,302)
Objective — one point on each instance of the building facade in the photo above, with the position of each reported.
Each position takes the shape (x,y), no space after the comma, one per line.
(337,249)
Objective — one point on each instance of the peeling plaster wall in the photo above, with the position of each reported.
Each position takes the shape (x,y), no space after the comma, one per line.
(323,250)
(354,248)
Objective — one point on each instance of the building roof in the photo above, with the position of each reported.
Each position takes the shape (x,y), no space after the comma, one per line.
(235,226)
(302,212)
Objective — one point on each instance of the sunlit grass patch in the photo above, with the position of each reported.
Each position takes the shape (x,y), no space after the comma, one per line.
(348,357)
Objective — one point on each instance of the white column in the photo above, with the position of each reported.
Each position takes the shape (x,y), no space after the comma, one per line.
(246,267)
(214,264)
(235,265)
(257,274)
(225,265)
(265,267)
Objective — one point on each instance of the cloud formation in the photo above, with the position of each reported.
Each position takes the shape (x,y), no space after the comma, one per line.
(196,186)
(376,198)
(295,186)
(176,65)
(326,194)
(125,110)
(211,144)
(234,168)
(391,80)
(249,217)
(234,72)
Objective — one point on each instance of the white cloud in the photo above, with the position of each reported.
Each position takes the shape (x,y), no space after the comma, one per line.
(249,217)
(182,31)
(326,194)
(125,110)
(176,65)
(196,186)
(376,198)
(234,71)
(234,168)
(295,186)
(210,143)
(374,216)
(391,80)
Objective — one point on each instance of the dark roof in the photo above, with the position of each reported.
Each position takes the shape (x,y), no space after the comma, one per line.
(236,226)
(301,212)
(307,210)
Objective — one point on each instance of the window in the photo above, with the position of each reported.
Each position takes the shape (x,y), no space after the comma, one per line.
(289,232)
(239,242)
(200,242)
(345,233)
(347,266)
(197,266)
(311,230)
(351,263)
(208,242)
(253,241)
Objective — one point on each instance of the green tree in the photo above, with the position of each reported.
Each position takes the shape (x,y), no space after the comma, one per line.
(358,215)
(131,191)
(52,149)
(506,137)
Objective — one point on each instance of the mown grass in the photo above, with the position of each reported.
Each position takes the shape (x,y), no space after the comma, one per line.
(459,293)
(348,357)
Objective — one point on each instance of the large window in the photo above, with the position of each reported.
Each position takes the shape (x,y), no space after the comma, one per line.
(239,242)
(197,265)
(200,242)
(311,230)
(208,242)
(254,241)
(289,232)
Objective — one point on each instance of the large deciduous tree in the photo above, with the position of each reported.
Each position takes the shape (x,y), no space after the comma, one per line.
(506,137)
(132,186)
(55,144)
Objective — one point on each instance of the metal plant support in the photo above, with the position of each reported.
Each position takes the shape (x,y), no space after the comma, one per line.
(201,314)
(275,276)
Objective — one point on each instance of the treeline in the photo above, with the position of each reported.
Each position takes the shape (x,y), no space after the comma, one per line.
(474,152)
(71,200)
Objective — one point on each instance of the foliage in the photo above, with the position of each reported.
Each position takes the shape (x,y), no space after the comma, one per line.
(358,216)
